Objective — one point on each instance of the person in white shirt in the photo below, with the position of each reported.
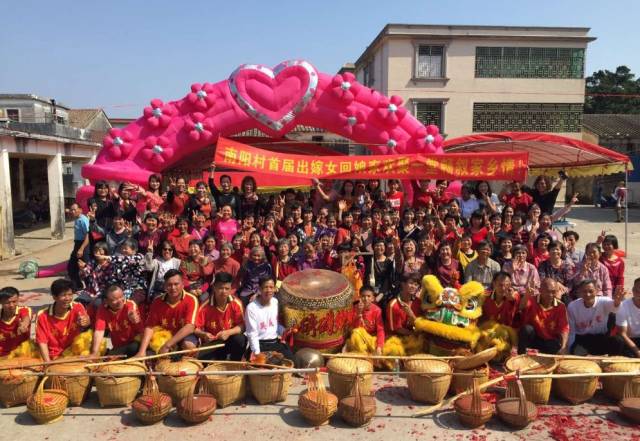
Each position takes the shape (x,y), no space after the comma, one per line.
(628,323)
(589,319)
(468,203)
(261,321)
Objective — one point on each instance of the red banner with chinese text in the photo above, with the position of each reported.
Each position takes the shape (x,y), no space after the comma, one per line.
(502,166)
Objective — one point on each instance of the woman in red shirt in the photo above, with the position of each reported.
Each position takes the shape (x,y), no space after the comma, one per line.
(477,230)
(282,263)
(446,268)
(181,239)
(394,196)
(611,260)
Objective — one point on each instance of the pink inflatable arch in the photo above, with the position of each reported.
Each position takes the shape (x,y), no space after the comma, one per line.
(255,96)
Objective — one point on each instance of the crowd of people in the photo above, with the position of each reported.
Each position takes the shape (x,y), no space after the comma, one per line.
(206,265)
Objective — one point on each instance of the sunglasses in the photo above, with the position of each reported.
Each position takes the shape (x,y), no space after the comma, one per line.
(167,249)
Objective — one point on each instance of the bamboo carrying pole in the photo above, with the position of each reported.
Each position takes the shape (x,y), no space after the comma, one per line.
(153,357)
(394,357)
(63,361)
(616,359)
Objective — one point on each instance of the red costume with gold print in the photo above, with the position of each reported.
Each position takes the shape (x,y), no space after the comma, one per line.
(212,319)
(173,317)
(549,323)
(370,321)
(121,329)
(58,332)
(9,337)
(397,317)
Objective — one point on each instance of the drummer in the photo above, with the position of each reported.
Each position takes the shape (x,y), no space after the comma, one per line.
(367,328)
(122,318)
(221,318)
(16,320)
(58,324)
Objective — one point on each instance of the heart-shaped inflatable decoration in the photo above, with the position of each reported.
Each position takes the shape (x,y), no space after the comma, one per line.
(275,97)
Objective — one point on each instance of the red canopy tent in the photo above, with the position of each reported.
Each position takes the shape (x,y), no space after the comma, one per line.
(547,153)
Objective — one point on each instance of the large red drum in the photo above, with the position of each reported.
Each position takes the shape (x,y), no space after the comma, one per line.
(318,303)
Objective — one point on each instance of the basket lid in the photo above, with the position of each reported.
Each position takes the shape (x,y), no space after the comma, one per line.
(476,360)
(511,406)
(427,366)
(215,367)
(18,363)
(520,362)
(349,365)
(578,367)
(620,364)
(68,368)
(187,365)
(131,366)
(200,403)
(464,404)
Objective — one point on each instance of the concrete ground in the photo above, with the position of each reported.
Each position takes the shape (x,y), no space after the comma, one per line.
(596,420)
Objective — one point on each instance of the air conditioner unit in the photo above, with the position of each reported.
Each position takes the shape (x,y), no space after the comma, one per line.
(3,115)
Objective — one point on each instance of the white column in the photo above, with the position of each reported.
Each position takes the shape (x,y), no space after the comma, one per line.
(22,191)
(56,195)
(7,242)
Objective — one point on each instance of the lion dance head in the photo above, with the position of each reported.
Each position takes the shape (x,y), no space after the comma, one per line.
(450,316)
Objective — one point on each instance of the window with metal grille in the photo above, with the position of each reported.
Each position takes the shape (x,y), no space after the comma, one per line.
(527,117)
(529,62)
(429,113)
(430,62)
(13,115)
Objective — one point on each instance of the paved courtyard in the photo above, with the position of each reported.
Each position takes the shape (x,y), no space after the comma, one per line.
(594,421)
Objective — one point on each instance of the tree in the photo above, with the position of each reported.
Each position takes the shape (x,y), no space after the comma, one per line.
(606,90)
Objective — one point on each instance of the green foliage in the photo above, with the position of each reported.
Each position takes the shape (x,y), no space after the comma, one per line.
(621,82)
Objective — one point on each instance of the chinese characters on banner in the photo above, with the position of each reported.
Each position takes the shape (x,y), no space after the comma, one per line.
(503,166)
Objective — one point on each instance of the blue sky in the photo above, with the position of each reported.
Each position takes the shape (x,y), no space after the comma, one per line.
(120,54)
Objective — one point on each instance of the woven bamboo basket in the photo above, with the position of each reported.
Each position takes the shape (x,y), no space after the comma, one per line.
(342,372)
(47,405)
(227,389)
(472,410)
(152,406)
(118,391)
(197,407)
(537,390)
(613,387)
(178,387)
(630,404)
(357,410)
(15,386)
(460,383)
(432,386)
(516,411)
(271,388)
(316,404)
(77,387)
(476,360)
(576,390)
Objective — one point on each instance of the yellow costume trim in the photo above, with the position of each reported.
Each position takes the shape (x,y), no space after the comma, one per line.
(361,341)
(503,337)
(81,345)
(160,337)
(25,349)
(470,334)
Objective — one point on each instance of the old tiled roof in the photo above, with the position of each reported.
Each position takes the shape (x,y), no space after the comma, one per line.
(81,118)
(614,125)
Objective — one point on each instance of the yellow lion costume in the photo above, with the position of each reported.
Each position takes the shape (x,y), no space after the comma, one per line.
(450,316)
